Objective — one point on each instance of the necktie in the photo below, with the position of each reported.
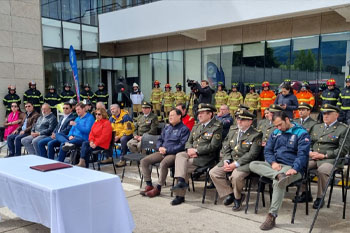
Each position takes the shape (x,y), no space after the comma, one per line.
(240,133)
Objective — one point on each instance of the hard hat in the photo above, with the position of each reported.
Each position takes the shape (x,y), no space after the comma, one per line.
(265,84)
(135,85)
(331,82)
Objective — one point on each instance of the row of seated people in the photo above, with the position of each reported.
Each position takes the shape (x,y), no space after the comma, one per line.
(287,149)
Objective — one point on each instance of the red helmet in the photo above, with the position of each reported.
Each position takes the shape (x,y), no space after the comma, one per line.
(331,82)
(156,82)
(265,84)
(167,85)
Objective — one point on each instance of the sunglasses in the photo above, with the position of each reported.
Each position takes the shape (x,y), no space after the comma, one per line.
(14,106)
(27,106)
(65,108)
(98,114)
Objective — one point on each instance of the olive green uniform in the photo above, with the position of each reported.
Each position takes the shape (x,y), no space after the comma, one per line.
(207,141)
(308,124)
(266,128)
(240,150)
(327,141)
(144,124)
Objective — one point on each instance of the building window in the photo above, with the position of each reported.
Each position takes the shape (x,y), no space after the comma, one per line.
(160,67)
(231,59)
(176,74)
(146,82)
(51,9)
(211,65)
(253,62)
(53,68)
(71,35)
(192,66)
(52,33)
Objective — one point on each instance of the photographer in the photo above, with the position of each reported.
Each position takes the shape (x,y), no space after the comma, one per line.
(202,91)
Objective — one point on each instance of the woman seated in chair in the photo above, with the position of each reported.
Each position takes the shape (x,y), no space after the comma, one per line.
(99,138)
(13,120)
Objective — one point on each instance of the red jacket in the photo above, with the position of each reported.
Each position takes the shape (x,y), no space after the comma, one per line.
(188,121)
(101,133)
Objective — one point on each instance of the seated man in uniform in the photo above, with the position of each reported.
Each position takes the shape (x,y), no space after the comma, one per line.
(265,125)
(201,149)
(305,119)
(242,145)
(172,141)
(326,140)
(286,157)
(146,123)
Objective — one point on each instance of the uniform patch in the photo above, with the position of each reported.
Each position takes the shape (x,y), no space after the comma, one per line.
(208,134)
(148,122)
(307,140)
(128,126)
(217,136)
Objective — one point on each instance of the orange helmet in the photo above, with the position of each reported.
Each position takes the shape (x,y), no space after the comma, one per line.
(265,84)
(167,86)
(331,82)
(156,82)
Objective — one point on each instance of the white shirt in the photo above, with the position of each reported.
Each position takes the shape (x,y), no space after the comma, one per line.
(64,119)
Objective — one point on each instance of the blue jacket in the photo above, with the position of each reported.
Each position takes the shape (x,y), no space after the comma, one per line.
(290,100)
(66,126)
(291,147)
(83,127)
(173,138)
(226,121)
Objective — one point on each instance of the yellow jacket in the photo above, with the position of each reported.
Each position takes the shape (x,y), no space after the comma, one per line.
(122,125)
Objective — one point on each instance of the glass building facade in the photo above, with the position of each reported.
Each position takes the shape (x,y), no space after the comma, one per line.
(314,58)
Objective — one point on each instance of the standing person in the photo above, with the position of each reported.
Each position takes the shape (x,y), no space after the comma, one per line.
(34,96)
(201,149)
(225,118)
(237,155)
(101,95)
(286,156)
(329,96)
(10,98)
(220,96)
(186,118)
(136,97)
(63,127)
(305,96)
(23,130)
(344,103)
(180,96)
(67,94)
(13,119)
(267,97)
(123,127)
(99,138)
(287,100)
(172,141)
(168,97)
(156,99)
(87,94)
(252,100)
(52,98)
(234,99)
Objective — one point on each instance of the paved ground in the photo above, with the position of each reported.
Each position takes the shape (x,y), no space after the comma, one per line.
(157,215)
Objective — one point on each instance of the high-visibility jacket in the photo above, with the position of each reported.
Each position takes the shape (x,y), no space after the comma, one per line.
(168,99)
(252,100)
(180,97)
(344,99)
(304,97)
(9,99)
(266,99)
(52,99)
(220,99)
(101,96)
(156,96)
(67,95)
(330,96)
(87,95)
(234,99)
(34,96)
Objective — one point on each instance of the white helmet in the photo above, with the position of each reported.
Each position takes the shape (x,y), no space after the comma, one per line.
(135,85)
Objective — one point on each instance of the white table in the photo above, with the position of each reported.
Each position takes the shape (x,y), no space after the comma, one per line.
(70,200)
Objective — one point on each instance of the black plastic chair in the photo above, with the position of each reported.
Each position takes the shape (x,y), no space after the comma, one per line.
(148,146)
(99,155)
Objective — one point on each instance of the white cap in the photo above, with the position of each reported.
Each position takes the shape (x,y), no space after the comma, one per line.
(135,85)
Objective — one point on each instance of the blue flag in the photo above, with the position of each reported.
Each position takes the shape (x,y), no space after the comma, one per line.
(73,64)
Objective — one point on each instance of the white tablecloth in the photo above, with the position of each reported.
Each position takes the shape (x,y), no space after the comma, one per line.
(71,200)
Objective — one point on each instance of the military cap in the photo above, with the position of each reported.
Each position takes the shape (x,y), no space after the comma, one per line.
(244,107)
(303,105)
(146,105)
(329,108)
(275,108)
(244,114)
(206,107)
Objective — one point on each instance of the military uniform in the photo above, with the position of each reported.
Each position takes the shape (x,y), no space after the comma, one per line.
(9,99)
(220,99)
(239,148)
(34,96)
(327,140)
(206,139)
(144,124)
(168,97)
(266,127)
(234,99)
(156,100)
(252,100)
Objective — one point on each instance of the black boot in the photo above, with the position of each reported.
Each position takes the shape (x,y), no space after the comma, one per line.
(178,200)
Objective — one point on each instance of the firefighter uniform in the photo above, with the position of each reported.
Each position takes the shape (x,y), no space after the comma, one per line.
(234,99)
(304,96)
(87,94)
(267,97)
(344,102)
(34,96)
(330,96)
(101,95)
(11,98)
(221,96)
(168,98)
(67,94)
(52,98)
(156,99)
(252,100)
(180,96)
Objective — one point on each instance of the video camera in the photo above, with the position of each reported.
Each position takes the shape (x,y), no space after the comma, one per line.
(191,84)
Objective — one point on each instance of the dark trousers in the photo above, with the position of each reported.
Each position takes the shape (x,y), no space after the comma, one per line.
(14,144)
(63,139)
(123,141)
(51,144)
(86,151)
